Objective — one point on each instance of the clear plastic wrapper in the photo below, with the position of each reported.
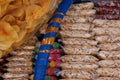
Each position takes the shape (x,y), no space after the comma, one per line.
(114,55)
(107,78)
(107,38)
(20,19)
(22,53)
(26,47)
(81,12)
(19,64)
(19,58)
(15,75)
(106,23)
(79,66)
(110,46)
(79,74)
(22,70)
(76,33)
(79,58)
(83,6)
(109,72)
(77,26)
(79,41)
(109,63)
(107,31)
(76,19)
(77,49)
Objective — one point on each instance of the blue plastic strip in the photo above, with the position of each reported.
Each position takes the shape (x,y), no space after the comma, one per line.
(42,59)
(46,47)
(50,35)
(41,66)
(64,6)
(58,16)
(55,24)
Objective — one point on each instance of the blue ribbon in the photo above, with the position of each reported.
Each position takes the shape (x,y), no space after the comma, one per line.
(64,6)
(50,35)
(46,47)
(55,24)
(41,66)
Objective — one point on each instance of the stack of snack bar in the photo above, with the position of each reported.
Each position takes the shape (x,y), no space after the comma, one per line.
(19,66)
(79,62)
(107,33)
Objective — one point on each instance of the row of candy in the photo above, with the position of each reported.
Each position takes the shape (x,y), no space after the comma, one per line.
(18,65)
(53,69)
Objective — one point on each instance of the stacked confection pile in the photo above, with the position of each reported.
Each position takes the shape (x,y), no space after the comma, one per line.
(91,42)
(19,63)
(107,33)
(79,63)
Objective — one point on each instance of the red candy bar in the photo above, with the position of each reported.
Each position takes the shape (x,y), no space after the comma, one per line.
(54,57)
(56,51)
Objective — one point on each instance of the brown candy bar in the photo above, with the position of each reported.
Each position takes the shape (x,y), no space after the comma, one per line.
(79,41)
(77,26)
(77,49)
(14,75)
(81,12)
(107,38)
(106,31)
(22,52)
(109,72)
(19,58)
(19,64)
(79,74)
(106,23)
(114,55)
(85,6)
(76,33)
(110,46)
(79,66)
(79,58)
(20,70)
(75,19)
(109,63)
